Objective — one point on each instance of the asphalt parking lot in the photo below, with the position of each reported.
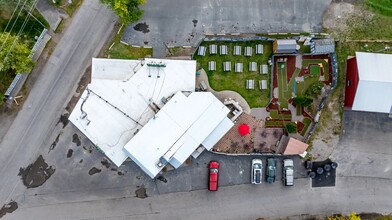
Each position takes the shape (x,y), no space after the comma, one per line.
(74,158)
(185,22)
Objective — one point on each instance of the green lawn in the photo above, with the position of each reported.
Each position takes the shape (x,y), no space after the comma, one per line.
(307,122)
(381,6)
(119,50)
(275,115)
(220,80)
(315,70)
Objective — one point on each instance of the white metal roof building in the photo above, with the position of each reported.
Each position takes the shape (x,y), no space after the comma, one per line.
(374,88)
(123,96)
(177,130)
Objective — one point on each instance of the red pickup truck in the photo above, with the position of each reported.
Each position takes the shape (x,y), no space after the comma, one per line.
(214,176)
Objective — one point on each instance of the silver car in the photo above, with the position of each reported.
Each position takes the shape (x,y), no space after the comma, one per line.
(257,171)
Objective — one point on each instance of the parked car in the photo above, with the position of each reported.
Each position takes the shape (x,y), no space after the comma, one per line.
(256,173)
(271,170)
(214,176)
(288,172)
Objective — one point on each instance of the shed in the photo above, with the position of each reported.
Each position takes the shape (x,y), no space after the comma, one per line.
(322,46)
(223,50)
(294,147)
(239,67)
(250,84)
(252,66)
(263,84)
(227,66)
(202,51)
(213,49)
(211,65)
(285,46)
(264,69)
(259,49)
(248,51)
(237,50)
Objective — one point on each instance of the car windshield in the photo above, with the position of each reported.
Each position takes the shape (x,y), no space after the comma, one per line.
(214,170)
(257,166)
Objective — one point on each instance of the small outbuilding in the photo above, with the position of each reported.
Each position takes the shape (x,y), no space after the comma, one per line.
(223,50)
(211,65)
(322,46)
(259,49)
(237,50)
(252,66)
(250,84)
(202,51)
(213,49)
(239,67)
(248,51)
(227,66)
(285,46)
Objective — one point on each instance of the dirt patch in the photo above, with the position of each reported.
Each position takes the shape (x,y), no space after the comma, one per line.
(105,163)
(8,208)
(37,173)
(141,193)
(142,27)
(69,153)
(76,140)
(336,15)
(93,171)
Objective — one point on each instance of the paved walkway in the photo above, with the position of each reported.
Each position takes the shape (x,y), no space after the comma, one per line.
(222,95)
(259,113)
(294,116)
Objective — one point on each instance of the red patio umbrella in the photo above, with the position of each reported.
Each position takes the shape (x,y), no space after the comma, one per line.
(243,129)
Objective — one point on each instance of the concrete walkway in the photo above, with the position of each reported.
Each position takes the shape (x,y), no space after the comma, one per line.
(222,95)
(259,113)
(294,116)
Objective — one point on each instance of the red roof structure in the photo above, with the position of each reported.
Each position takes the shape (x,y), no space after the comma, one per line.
(243,129)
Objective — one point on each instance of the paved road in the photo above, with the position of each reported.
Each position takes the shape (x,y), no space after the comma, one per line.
(235,202)
(185,22)
(28,134)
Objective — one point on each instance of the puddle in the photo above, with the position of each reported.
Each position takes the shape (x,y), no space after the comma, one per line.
(194,21)
(53,145)
(69,153)
(93,171)
(63,119)
(145,42)
(8,208)
(142,27)
(161,178)
(141,193)
(37,173)
(81,161)
(105,163)
(76,140)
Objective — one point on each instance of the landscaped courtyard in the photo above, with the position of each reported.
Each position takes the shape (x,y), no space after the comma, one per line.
(220,80)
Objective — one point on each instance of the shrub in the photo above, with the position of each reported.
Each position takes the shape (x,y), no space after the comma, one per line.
(291,128)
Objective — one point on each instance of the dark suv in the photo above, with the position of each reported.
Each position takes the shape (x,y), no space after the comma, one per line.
(271,170)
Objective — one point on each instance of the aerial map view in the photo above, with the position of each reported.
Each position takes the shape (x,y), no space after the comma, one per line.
(196,109)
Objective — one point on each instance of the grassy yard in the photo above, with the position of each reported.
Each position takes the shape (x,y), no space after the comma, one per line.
(275,115)
(119,50)
(70,8)
(220,80)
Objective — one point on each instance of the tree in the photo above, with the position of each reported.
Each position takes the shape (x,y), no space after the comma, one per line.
(14,54)
(127,10)
(291,128)
(352,216)
(302,100)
